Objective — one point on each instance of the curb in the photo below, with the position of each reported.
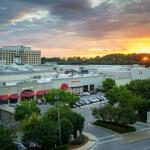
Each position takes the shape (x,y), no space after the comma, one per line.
(104,128)
(90,143)
(142,123)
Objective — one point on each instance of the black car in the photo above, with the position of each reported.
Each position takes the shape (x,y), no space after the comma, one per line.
(93,92)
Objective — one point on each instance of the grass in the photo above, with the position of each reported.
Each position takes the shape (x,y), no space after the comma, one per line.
(115,127)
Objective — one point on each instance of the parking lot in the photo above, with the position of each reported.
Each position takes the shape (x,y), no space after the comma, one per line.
(90,99)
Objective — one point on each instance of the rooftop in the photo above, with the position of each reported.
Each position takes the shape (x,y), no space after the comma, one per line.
(18,47)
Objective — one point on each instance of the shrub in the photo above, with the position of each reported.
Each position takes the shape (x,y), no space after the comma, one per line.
(62,147)
(115,127)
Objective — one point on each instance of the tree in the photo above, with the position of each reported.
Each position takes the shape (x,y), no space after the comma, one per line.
(105,113)
(7,139)
(108,84)
(124,116)
(25,109)
(122,96)
(75,119)
(65,97)
(43,134)
(140,87)
(142,107)
(120,115)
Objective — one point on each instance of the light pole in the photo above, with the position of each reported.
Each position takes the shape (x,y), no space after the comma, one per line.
(100,100)
(58,117)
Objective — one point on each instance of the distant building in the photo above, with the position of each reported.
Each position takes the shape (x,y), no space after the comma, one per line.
(20,54)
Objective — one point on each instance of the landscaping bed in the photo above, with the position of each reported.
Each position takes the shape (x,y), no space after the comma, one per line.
(115,127)
(79,142)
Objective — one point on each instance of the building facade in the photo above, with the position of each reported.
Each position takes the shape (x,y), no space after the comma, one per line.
(34,89)
(20,54)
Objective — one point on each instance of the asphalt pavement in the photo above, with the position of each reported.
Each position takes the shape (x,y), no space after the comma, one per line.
(109,140)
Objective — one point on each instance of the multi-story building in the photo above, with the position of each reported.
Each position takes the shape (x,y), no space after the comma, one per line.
(20,54)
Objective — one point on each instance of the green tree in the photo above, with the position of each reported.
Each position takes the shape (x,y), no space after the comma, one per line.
(65,97)
(43,134)
(124,116)
(25,109)
(76,120)
(120,115)
(140,87)
(122,96)
(105,113)
(108,84)
(142,107)
(7,139)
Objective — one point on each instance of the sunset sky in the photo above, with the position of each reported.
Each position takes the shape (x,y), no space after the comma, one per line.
(85,28)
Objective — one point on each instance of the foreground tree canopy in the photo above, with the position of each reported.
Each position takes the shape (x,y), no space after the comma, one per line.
(43,134)
(7,139)
(67,114)
(25,109)
(43,130)
(64,96)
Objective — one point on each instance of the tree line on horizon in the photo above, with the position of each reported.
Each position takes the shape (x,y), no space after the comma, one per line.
(112,59)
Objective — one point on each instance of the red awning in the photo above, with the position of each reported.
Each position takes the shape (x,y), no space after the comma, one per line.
(40,93)
(4,97)
(13,96)
(46,91)
(27,94)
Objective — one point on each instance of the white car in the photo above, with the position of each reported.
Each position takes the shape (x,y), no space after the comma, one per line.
(85,93)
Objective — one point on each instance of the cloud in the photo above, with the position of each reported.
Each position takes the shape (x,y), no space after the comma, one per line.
(80,24)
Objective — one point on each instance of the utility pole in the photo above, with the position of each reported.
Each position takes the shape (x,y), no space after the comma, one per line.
(58,117)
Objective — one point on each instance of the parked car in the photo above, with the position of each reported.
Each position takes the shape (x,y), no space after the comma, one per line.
(87,102)
(93,92)
(95,99)
(20,146)
(91,100)
(77,104)
(79,94)
(32,145)
(82,103)
(86,93)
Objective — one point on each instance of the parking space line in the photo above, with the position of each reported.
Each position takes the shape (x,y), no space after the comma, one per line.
(107,136)
(146,148)
(143,129)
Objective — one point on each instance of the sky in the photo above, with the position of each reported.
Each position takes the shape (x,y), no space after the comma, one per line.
(85,28)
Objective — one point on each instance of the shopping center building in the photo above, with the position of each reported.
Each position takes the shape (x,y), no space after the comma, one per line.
(19,82)
(37,88)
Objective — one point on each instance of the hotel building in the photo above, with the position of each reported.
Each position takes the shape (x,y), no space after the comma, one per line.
(20,54)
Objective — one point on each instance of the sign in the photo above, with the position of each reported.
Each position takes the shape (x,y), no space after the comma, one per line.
(75,81)
(26,88)
(64,86)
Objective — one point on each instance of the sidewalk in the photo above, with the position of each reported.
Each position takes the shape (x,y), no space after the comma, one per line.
(90,143)
(136,136)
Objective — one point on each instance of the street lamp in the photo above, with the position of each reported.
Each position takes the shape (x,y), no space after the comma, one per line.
(58,117)
(100,100)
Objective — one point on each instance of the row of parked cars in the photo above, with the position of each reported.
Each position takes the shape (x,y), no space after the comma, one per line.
(87,101)
(86,93)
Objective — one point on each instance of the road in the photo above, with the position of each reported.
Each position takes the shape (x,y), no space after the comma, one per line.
(109,140)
